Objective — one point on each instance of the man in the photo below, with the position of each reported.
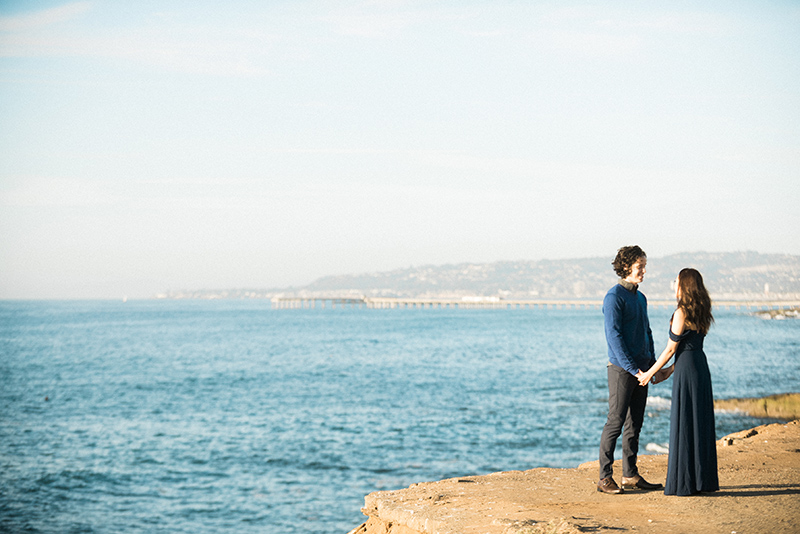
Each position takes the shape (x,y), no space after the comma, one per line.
(630,353)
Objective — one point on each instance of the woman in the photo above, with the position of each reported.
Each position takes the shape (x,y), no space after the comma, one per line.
(692,464)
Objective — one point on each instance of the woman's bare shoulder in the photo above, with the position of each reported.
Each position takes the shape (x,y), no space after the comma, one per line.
(678,322)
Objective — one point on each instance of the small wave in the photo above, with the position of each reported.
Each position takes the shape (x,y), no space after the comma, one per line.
(655,447)
(730,411)
(659,403)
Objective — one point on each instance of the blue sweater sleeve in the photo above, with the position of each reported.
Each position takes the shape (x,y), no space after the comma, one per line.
(613,313)
(651,345)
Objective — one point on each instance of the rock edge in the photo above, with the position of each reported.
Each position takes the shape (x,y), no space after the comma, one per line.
(759,492)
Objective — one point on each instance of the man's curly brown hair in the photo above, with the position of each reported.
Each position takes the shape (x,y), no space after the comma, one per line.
(626,257)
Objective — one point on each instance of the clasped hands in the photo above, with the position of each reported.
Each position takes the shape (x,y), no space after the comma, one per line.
(658,376)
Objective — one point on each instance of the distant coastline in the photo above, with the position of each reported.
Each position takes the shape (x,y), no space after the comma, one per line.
(739,276)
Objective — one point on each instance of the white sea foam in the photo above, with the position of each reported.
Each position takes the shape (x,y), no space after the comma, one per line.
(659,403)
(655,447)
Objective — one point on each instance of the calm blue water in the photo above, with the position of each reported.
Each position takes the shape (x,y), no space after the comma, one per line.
(227,416)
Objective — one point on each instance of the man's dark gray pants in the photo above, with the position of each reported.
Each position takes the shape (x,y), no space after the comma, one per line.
(626,404)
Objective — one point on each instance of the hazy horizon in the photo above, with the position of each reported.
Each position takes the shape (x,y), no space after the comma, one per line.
(236,292)
(148,146)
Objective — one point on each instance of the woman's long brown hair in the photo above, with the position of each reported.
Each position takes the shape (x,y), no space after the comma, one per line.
(694,300)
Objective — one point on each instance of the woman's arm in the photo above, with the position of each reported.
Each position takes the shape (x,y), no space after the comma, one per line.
(676,327)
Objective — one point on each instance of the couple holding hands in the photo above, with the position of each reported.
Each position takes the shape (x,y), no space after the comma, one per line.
(692,462)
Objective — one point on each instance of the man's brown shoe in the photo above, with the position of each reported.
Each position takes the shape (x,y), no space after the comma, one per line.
(638,482)
(607,485)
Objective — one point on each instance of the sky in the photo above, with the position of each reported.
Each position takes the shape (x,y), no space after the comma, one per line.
(152,146)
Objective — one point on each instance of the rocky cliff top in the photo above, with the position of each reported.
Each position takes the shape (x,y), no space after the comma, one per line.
(759,472)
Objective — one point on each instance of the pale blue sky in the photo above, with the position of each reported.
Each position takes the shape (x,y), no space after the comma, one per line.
(148,146)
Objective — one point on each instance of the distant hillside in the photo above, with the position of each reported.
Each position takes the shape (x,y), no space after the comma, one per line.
(727,275)
(734,275)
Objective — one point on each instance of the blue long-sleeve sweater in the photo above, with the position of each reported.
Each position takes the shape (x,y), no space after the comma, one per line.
(630,340)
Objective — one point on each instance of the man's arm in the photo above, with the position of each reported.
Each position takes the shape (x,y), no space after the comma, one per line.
(612,313)
(651,344)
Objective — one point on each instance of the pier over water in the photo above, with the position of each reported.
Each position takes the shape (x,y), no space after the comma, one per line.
(333,302)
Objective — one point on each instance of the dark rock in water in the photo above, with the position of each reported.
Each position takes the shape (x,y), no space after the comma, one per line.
(784,406)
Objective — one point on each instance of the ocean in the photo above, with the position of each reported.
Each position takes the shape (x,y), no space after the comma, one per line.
(230,417)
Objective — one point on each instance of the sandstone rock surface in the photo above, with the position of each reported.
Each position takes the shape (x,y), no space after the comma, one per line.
(759,492)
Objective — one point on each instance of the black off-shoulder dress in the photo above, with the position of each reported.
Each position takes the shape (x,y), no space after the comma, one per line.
(692,463)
